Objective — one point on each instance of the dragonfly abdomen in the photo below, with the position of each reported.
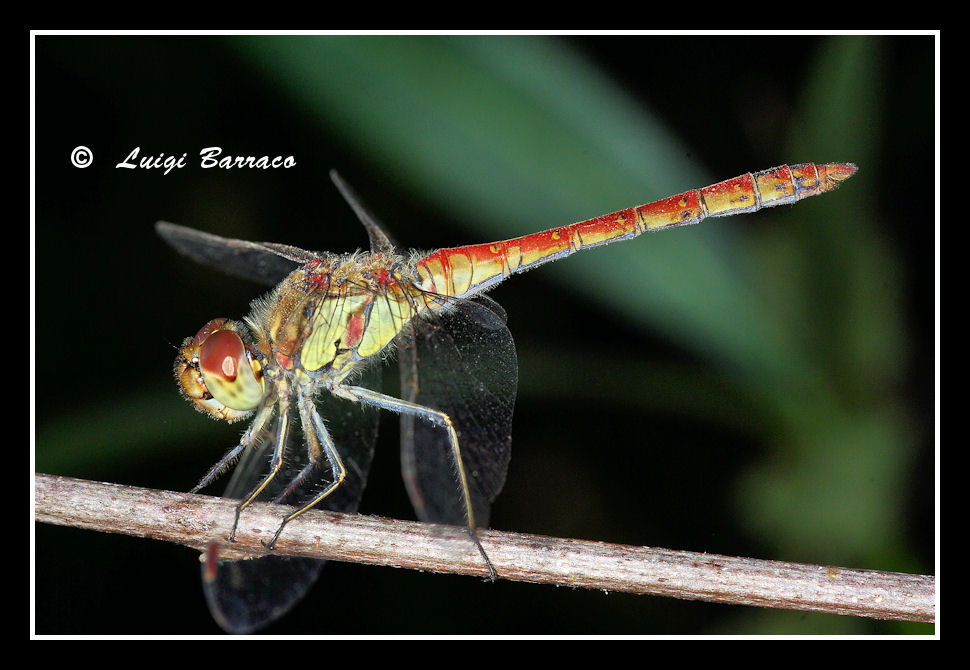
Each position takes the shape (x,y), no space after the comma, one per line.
(472,269)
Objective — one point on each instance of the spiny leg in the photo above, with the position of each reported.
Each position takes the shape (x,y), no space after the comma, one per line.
(282,430)
(313,443)
(319,444)
(438,418)
(263,414)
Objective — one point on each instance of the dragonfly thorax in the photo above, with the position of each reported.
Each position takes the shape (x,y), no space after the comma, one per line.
(331,314)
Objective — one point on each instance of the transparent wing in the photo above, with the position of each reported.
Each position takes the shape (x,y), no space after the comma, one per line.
(380,241)
(461,362)
(264,262)
(244,596)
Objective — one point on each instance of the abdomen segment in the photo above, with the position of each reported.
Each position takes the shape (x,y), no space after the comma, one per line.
(461,271)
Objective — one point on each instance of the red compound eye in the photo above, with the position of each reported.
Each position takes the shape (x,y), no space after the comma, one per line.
(231,376)
(222,353)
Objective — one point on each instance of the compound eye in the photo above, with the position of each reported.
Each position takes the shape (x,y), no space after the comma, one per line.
(230,374)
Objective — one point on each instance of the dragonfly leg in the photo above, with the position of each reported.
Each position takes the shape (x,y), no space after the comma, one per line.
(319,444)
(438,418)
(248,439)
(282,428)
(481,550)
(313,441)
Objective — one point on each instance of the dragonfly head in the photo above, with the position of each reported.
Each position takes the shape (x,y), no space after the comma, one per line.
(217,371)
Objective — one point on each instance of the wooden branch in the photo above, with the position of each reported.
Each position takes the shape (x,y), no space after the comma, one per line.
(195,520)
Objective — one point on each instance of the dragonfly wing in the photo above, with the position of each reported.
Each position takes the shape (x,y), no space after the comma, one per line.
(247,595)
(461,362)
(264,262)
(379,240)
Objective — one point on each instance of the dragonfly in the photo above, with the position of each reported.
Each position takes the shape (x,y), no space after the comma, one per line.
(313,348)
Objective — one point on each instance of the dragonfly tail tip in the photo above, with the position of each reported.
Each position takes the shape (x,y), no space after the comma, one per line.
(833,174)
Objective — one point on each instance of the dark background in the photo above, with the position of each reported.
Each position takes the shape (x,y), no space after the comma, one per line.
(764,389)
